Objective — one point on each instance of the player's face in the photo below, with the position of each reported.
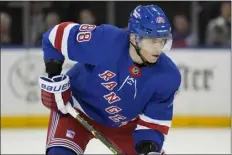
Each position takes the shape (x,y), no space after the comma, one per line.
(151,48)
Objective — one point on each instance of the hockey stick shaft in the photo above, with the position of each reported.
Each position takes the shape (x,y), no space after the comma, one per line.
(95,133)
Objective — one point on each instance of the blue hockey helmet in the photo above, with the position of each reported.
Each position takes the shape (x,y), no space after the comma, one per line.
(150,21)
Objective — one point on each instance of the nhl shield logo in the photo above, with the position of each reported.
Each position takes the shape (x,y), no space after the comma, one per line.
(135,71)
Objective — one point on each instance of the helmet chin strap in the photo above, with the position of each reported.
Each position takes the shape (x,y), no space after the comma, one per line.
(138,49)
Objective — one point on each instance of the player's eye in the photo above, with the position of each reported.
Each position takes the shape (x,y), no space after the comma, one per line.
(155,40)
(161,41)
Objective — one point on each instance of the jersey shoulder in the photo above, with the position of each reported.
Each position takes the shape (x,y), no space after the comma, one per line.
(169,76)
(166,65)
(117,40)
(83,42)
(114,30)
(115,35)
(103,32)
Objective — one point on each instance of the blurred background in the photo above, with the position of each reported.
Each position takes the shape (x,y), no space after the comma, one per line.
(201,49)
(194,23)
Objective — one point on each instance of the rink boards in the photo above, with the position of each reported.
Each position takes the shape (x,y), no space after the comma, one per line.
(203,100)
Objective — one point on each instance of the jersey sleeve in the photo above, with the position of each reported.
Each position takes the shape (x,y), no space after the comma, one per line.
(153,124)
(77,42)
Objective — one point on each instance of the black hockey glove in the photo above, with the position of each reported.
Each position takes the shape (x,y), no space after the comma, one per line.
(148,148)
(53,67)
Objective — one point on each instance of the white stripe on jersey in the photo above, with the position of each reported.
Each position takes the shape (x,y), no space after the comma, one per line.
(64,41)
(155,121)
(52,35)
(141,127)
(64,46)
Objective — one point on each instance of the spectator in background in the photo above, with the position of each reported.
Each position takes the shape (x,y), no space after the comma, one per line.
(182,35)
(5,28)
(86,17)
(51,20)
(218,31)
(37,17)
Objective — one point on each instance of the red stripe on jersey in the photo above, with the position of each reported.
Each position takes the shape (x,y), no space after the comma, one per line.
(161,128)
(59,35)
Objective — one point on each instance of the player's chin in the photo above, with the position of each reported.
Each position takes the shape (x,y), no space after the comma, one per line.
(153,60)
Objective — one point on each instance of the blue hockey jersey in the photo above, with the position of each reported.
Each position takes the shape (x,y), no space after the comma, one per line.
(106,84)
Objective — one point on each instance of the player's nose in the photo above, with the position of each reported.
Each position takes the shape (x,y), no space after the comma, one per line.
(158,52)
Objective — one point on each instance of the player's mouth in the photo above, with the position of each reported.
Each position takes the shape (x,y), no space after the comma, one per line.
(155,55)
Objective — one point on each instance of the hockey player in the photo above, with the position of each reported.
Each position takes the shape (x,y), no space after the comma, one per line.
(123,84)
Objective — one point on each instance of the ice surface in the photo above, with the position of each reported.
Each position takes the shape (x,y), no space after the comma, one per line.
(179,141)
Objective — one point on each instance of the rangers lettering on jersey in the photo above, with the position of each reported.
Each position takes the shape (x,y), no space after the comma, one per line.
(113,109)
(112,97)
(117,118)
(107,75)
(110,85)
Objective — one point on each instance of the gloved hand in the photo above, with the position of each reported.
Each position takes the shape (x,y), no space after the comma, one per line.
(148,148)
(157,153)
(55,92)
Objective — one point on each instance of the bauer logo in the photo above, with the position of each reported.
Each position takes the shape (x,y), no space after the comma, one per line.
(59,88)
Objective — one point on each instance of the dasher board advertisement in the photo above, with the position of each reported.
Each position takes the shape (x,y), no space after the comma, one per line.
(203,98)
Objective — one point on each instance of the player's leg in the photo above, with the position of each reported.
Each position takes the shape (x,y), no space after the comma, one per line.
(66,136)
(121,137)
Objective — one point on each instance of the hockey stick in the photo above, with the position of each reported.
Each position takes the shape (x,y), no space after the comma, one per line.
(95,133)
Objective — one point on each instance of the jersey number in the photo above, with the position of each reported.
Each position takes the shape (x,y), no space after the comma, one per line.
(85,36)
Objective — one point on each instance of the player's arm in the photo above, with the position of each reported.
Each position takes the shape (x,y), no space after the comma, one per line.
(72,41)
(154,123)
(83,43)
(77,42)
(66,40)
